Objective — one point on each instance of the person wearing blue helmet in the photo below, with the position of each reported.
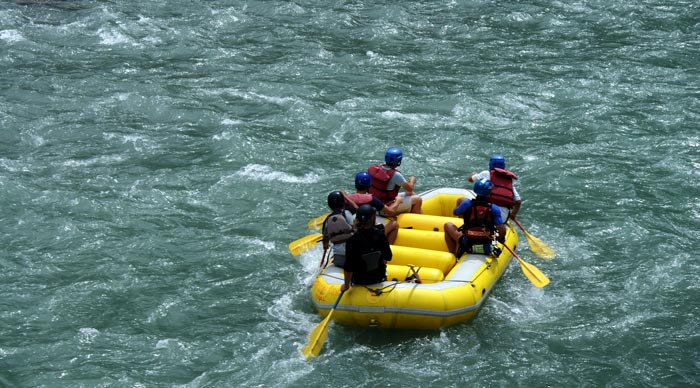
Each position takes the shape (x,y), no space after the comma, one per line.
(387,180)
(504,193)
(361,196)
(482,219)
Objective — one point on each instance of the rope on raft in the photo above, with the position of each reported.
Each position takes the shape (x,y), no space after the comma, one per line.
(414,278)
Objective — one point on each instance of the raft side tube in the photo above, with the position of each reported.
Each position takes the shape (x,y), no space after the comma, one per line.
(444,261)
(421,239)
(401,272)
(426,222)
(441,204)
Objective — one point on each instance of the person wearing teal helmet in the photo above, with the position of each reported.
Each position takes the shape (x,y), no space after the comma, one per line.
(504,193)
(387,180)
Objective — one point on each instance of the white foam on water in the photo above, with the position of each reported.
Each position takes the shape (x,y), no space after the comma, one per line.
(87,334)
(111,37)
(106,159)
(11,36)
(266,173)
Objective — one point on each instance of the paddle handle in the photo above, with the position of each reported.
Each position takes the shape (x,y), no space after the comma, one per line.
(323,258)
(337,301)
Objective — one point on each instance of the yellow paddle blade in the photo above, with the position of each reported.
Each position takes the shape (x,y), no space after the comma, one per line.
(317,338)
(317,223)
(536,277)
(538,247)
(305,243)
(532,273)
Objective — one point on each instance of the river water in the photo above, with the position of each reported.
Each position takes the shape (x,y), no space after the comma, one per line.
(157,157)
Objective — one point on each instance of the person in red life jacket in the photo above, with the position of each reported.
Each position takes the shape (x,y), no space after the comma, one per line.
(361,196)
(504,193)
(337,227)
(367,251)
(387,181)
(482,219)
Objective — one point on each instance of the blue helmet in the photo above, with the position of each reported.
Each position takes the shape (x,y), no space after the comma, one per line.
(497,161)
(362,180)
(393,156)
(483,187)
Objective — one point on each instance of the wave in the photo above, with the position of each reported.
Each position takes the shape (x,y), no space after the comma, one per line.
(266,173)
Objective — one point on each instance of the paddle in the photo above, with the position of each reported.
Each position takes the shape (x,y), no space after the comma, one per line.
(305,243)
(536,277)
(316,223)
(537,246)
(323,258)
(318,336)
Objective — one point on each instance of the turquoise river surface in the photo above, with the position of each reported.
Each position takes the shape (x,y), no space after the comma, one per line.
(157,157)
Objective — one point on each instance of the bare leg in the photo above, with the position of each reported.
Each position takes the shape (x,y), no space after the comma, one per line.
(452,236)
(391,229)
(416,204)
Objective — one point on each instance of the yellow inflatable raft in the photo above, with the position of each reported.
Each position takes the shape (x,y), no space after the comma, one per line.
(451,290)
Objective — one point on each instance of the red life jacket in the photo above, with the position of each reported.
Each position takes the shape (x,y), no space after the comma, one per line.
(380,183)
(502,193)
(478,223)
(360,199)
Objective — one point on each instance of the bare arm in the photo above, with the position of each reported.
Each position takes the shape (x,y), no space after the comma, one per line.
(408,185)
(348,200)
(390,210)
(516,207)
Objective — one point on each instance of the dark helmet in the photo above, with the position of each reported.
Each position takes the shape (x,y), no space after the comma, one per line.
(483,187)
(365,213)
(362,180)
(497,161)
(335,200)
(393,156)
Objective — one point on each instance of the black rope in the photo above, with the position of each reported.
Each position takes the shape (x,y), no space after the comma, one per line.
(379,291)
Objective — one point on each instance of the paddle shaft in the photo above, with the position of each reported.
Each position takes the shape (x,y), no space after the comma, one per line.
(323,258)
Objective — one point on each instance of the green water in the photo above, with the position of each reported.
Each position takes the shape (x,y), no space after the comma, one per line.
(156,158)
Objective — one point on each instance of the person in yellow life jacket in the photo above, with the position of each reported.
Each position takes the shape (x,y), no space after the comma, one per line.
(361,196)
(504,193)
(387,181)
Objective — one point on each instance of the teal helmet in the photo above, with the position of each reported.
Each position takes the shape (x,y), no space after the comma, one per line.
(497,161)
(483,187)
(362,180)
(393,156)
(335,200)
